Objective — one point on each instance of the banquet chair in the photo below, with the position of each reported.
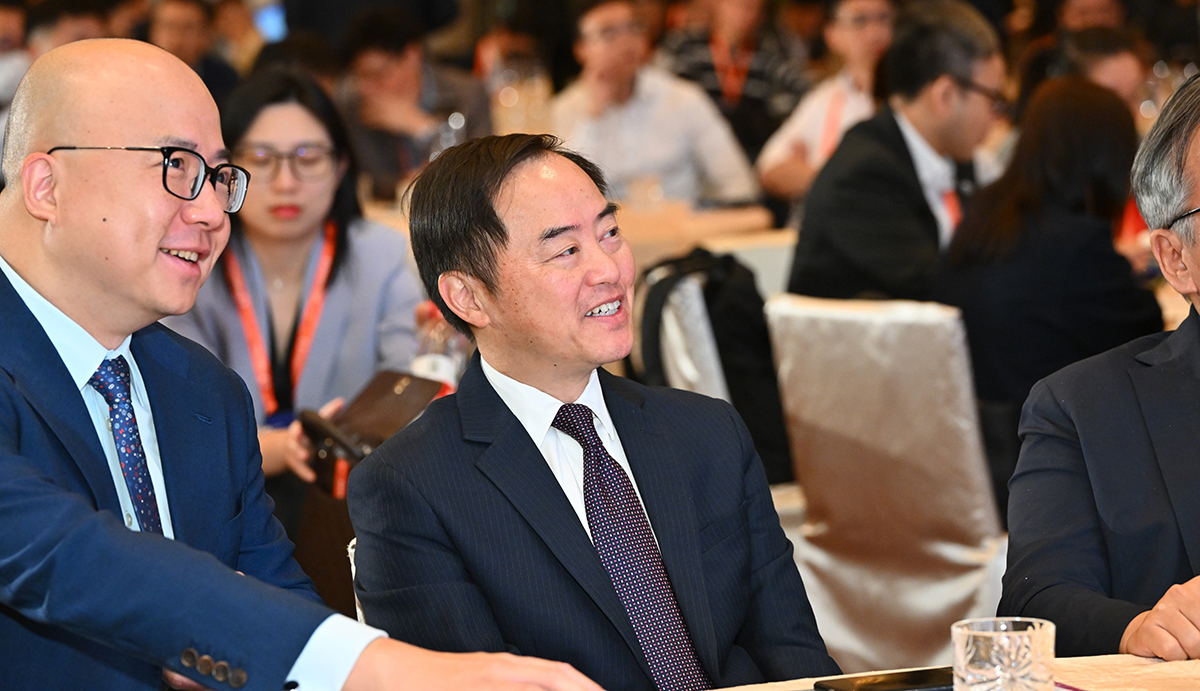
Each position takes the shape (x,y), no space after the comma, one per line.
(900,535)
(687,347)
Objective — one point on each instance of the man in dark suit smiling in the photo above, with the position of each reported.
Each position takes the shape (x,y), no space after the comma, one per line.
(549,508)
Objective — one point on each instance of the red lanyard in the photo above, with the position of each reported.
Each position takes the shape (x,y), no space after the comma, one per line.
(309,317)
(731,65)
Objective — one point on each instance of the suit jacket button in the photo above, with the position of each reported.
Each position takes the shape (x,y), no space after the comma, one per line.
(237,677)
(221,671)
(204,665)
(188,657)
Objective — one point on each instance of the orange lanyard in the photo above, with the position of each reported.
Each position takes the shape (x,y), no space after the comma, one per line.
(731,65)
(309,317)
(831,132)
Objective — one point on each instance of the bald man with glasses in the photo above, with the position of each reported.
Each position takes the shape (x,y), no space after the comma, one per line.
(138,548)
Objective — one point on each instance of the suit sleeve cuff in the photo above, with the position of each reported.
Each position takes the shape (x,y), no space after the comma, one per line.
(330,654)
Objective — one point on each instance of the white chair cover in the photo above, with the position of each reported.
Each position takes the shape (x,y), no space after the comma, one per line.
(900,536)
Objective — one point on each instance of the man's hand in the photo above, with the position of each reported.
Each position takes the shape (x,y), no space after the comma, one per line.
(389,664)
(399,114)
(1171,630)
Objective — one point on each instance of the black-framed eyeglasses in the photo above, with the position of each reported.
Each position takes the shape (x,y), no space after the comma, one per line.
(1000,104)
(308,163)
(1182,216)
(185,172)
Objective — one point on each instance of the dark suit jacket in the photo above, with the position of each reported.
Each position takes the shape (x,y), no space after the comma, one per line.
(86,603)
(467,542)
(1104,513)
(867,229)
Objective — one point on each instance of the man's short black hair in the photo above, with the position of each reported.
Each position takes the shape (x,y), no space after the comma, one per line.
(383,28)
(932,38)
(453,222)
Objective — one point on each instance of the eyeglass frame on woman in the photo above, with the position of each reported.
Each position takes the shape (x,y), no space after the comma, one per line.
(1000,103)
(277,159)
(233,201)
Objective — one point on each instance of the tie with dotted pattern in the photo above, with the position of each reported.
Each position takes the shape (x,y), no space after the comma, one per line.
(112,381)
(621,533)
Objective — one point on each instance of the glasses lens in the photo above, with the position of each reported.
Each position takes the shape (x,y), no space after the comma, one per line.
(230,183)
(183,173)
(312,163)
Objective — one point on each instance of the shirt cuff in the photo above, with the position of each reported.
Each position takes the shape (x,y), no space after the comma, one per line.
(330,654)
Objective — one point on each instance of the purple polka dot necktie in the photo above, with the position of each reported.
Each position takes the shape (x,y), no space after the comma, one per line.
(621,533)
(112,381)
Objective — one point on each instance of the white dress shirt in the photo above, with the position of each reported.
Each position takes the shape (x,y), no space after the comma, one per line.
(535,409)
(335,645)
(809,121)
(936,173)
(669,131)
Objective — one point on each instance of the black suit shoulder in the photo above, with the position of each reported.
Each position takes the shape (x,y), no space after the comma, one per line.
(867,228)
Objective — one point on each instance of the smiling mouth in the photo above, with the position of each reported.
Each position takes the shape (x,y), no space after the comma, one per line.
(606,310)
(185,255)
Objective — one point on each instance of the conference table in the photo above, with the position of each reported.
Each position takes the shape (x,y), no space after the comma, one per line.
(1099,673)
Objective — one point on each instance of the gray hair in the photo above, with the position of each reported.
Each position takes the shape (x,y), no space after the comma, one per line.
(1161,183)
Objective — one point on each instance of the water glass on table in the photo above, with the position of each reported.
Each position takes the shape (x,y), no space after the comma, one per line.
(1003,654)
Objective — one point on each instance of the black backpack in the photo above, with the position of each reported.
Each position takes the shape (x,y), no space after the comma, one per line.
(735,310)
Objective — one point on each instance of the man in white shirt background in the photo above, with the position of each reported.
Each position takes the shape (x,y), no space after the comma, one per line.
(654,135)
(131,486)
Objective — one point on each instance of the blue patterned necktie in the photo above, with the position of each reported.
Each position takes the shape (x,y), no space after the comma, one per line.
(621,533)
(112,381)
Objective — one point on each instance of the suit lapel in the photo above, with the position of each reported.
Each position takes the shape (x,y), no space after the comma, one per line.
(185,439)
(1169,394)
(515,465)
(42,378)
(894,138)
(661,483)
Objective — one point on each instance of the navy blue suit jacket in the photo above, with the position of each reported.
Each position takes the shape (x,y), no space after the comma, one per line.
(467,542)
(86,603)
(1104,507)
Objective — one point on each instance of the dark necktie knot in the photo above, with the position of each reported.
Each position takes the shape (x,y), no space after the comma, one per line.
(575,420)
(111,379)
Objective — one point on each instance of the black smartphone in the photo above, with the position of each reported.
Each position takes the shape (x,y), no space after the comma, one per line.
(932,679)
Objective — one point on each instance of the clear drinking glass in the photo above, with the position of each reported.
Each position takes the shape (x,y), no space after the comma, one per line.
(1003,654)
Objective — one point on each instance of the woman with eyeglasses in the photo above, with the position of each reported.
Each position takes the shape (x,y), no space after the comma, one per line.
(1032,266)
(309,299)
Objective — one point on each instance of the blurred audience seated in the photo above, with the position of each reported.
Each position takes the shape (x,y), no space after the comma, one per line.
(184,28)
(125,18)
(1103,513)
(238,41)
(654,135)
(1033,266)
(12,26)
(888,200)
(398,102)
(744,67)
(858,33)
(332,19)
(304,51)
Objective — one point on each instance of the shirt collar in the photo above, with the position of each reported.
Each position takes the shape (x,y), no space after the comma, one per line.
(935,171)
(535,409)
(80,352)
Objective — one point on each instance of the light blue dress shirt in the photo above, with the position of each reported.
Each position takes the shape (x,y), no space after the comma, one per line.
(335,645)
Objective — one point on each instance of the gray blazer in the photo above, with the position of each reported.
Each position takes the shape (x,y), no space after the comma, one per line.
(368,323)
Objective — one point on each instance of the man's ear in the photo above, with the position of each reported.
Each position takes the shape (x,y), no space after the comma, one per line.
(1176,266)
(943,93)
(38,187)
(466,296)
